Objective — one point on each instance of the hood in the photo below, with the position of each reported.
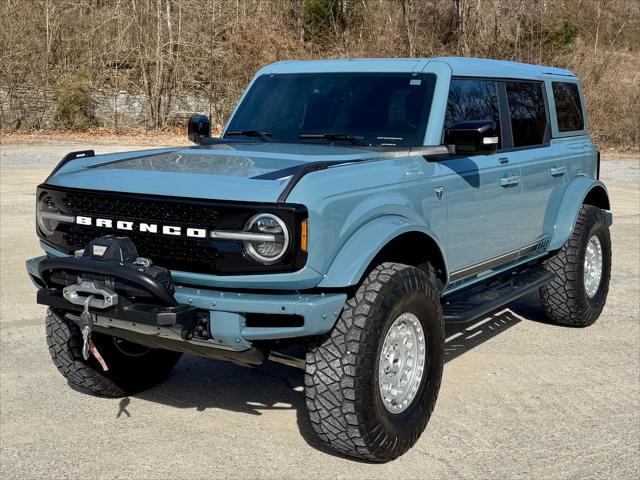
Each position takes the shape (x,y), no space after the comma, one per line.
(228,171)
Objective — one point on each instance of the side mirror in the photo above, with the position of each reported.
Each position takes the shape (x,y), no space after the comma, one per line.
(473,137)
(198,127)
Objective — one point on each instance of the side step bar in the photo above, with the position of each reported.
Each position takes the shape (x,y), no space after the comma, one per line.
(483,299)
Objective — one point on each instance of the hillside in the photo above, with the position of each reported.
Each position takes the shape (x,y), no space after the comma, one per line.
(150,63)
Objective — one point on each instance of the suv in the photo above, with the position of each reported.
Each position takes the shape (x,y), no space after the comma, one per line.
(349,206)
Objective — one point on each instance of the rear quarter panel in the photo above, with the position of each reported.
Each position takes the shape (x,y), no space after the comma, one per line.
(580,157)
(575,146)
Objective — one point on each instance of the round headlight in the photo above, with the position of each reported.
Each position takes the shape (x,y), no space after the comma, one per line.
(49,216)
(46,212)
(276,241)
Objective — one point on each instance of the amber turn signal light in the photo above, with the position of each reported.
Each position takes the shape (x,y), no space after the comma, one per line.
(304,235)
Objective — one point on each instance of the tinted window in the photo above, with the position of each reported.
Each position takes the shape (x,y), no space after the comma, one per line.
(568,106)
(472,100)
(528,116)
(377,108)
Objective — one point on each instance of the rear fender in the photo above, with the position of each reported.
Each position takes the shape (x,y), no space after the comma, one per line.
(579,191)
(365,244)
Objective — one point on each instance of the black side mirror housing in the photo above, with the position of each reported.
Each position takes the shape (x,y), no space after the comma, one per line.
(472,137)
(199,127)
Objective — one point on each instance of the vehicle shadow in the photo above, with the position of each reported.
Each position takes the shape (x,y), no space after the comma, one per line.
(462,337)
(204,384)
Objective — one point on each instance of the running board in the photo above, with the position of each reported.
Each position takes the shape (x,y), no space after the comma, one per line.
(483,299)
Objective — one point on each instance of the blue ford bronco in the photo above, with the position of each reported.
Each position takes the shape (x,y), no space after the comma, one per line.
(351,207)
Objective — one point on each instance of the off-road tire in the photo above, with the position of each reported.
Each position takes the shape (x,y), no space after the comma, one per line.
(342,394)
(126,375)
(565,299)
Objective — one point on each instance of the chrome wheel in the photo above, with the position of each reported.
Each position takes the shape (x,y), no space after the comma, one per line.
(402,363)
(592,266)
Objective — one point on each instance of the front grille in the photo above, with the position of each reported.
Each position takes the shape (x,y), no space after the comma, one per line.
(219,257)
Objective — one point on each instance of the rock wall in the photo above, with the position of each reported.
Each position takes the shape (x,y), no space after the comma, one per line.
(27,108)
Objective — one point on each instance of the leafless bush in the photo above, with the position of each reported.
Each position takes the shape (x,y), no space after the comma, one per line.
(75,103)
(209,49)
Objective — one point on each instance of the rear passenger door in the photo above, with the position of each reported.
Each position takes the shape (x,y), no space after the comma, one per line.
(484,211)
(543,168)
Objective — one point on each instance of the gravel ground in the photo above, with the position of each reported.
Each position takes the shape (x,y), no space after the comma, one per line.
(521,398)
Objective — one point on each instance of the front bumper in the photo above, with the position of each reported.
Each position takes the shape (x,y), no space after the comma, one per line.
(310,314)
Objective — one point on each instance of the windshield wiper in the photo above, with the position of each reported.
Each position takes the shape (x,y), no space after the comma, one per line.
(264,136)
(334,136)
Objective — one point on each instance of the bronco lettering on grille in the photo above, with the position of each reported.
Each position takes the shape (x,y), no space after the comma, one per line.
(143,227)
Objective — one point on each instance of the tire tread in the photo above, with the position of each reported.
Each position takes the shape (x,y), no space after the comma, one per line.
(563,298)
(334,373)
(65,347)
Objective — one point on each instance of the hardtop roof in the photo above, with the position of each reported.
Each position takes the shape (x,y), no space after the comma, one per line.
(460,66)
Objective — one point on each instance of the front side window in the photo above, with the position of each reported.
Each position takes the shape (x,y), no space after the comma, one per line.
(472,100)
(375,108)
(528,115)
(568,106)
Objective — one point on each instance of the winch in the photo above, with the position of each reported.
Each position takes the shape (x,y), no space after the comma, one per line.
(117,281)
(120,251)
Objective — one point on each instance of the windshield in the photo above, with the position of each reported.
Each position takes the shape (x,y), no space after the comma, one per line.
(368,108)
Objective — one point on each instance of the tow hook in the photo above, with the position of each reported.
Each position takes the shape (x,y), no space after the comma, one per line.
(86,327)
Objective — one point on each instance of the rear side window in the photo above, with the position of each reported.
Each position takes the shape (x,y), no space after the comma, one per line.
(472,100)
(568,106)
(527,111)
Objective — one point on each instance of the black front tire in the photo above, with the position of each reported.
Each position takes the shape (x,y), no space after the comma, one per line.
(343,398)
(132,368)
(565,299)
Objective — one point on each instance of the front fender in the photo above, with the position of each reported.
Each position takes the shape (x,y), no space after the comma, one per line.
(362,247)
(576,193)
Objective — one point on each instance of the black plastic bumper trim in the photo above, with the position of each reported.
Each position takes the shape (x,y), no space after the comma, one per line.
(148,283)
(183,315)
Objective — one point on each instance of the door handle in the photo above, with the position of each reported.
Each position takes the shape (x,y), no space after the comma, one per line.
(557,171)
(509,180)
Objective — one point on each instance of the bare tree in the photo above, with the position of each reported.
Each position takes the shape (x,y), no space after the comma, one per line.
(175,56)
